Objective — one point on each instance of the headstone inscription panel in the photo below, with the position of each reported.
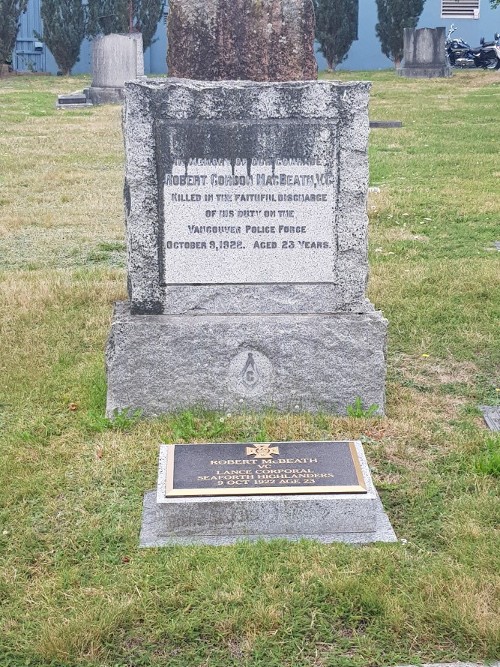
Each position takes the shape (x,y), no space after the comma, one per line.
(248,220)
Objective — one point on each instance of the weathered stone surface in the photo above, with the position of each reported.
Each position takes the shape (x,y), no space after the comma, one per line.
(154,533)
(255,299)
(354,518)
(73,100)
(259,40)
(425,53)
(311,138)
(106,95)
(300,362)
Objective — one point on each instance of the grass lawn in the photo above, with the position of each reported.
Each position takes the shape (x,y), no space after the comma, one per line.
(75,590)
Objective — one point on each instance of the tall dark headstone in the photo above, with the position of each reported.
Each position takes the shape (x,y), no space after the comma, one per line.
(257,40)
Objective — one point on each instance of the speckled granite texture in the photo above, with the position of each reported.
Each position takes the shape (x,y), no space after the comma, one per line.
(260,40)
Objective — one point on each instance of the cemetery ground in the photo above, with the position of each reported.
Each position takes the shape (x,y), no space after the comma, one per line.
(75,590)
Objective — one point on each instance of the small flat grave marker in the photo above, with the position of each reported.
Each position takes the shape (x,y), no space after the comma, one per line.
(263,468)
(386,123)
(491,416)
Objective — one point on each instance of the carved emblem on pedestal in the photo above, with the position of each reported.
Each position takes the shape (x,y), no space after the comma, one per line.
(250,373)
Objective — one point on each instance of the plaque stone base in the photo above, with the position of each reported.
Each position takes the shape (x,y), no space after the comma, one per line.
(309,362)
(340,517)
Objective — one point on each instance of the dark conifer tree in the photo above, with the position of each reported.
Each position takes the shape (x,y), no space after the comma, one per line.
(336,28)
(393,17)
(122,16)
(10,13)
(107,16)
(147,14)
(63,31)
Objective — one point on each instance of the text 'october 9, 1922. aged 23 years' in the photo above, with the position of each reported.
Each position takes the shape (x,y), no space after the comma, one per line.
(256,215)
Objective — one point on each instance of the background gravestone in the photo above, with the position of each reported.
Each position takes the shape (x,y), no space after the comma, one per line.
(247,250)
(115,59)
(258,40)
(425,53)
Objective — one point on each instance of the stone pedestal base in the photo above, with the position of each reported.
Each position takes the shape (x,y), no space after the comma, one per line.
(342,517)
(425,72)
(106,95)
(310,362)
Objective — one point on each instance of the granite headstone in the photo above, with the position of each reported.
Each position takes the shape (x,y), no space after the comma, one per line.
(247,250)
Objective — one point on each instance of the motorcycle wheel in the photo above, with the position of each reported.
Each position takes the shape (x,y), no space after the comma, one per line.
(492,63)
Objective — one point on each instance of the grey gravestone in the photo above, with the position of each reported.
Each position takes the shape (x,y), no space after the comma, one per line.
(425,53)
(247,250)
(218,520)
(491,416)
(258,40)
(115,59)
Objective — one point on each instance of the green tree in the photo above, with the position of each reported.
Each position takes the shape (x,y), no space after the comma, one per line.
(123,16)
(393,17)
(10,14)
(336,28)
(107,16)
(63,31)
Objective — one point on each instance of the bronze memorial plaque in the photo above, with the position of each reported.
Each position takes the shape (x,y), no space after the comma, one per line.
(263,468)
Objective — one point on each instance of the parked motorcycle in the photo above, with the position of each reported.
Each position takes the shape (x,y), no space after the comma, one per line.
(460,54)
